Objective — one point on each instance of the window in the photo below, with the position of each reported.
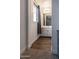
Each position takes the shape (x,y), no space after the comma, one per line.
(35,13)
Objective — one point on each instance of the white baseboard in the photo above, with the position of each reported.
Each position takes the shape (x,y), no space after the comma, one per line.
(30,45)
(22,51)
(27,56)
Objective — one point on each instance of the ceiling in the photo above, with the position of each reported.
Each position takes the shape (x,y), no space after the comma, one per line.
(45,4)
(43,1)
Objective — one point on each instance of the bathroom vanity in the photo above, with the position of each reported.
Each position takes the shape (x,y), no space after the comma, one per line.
(46,31)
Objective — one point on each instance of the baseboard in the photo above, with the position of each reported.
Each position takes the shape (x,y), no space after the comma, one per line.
(22,53)
(22,50)
(45,36)
(33,42)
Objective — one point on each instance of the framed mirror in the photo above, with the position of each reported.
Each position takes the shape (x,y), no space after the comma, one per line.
(46,20)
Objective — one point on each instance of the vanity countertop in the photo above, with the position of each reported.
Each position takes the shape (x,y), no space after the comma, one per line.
(46,27)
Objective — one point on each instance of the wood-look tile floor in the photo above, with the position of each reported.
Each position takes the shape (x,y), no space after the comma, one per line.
(41,49)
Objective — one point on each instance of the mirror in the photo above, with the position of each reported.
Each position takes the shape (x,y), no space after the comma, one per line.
(46,20)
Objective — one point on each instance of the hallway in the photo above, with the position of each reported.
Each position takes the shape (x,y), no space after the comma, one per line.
(36,20)
(41,49)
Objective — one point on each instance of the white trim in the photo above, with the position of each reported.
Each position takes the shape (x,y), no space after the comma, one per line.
(30,45)
(26,56)
(22,51)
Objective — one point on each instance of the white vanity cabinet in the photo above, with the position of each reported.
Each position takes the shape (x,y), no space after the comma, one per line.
(46,31)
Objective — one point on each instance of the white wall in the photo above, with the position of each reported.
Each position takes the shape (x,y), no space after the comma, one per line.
(32,28)
(55,24)
(28,28)
(23,24)
(41,12)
